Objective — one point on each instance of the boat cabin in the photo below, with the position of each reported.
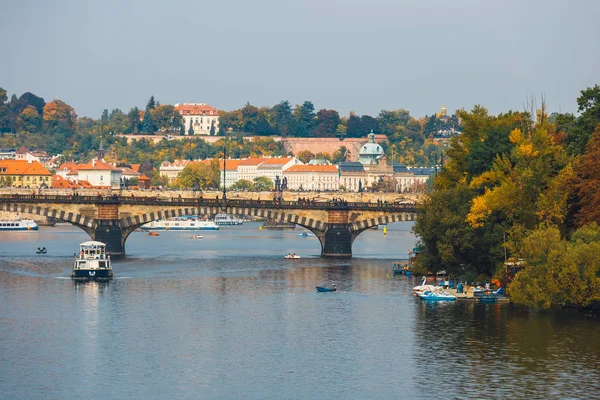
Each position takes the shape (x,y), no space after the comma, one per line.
(92,255)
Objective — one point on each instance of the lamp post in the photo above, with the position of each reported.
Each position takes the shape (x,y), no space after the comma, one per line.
(224,168)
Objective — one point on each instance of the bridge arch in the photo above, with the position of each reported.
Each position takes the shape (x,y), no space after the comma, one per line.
(274,214)
(359,226)
(81,221)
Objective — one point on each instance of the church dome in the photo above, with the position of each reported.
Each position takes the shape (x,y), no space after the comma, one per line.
(370,152)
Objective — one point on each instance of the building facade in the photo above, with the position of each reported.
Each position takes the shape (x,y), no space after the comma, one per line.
(24,173)
(199,116)
(312,177)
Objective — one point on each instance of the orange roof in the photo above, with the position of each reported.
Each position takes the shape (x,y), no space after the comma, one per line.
(251,161)
(196,109)
(312,168)
(143,178)
(135,167)
(59,182)
(97,165)
(277,161)
(22,167)
(68,166)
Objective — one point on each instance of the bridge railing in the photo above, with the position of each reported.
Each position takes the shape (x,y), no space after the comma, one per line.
(199,201)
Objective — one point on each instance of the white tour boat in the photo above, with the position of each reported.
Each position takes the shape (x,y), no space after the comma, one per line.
(182,224)
(18,225)
(226,219)
(92,263)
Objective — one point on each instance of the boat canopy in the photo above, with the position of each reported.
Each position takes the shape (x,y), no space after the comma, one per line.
(92,243)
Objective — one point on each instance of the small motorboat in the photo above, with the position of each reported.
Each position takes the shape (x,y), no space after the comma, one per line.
(305,234)
(197,236)
(436,296)
(326,289)
(292,256)
(41,251)
(152,233)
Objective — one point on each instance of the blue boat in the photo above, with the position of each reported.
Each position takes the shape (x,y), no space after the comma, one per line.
(325,289)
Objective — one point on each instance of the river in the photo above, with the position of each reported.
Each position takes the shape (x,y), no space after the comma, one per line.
(226,317)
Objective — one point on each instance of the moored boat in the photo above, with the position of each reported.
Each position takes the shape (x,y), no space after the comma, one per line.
(226,219)
(18,225)
(305,234)
(437,296)
(182,224)
(92,263)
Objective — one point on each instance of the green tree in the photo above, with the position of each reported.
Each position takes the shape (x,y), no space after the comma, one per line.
(326,123)
(191,130)
(212,128)
(283,119)
(305,156)
(147,125)
(589,107)
(262,183)
(197,175)
(166,118)
(29,120)
(134,121)
(242,184)
(304,116)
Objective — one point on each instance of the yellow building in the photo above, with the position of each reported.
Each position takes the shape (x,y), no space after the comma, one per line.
(24,173)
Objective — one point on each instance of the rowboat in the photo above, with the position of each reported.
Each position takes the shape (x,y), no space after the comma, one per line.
(326,289)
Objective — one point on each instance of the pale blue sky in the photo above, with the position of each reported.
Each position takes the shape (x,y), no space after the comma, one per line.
(339,54)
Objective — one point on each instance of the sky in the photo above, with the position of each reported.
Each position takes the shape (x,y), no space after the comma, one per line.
(345,55)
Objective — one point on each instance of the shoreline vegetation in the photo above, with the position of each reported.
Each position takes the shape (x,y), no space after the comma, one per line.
(520,186)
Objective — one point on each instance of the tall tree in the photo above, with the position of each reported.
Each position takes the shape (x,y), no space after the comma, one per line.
(326,123)
(191,130)
(304,116)
(589,107)
(283,119)
(148,125)
(134,120)
(588,182)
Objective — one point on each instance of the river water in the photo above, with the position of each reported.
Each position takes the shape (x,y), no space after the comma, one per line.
(226,317)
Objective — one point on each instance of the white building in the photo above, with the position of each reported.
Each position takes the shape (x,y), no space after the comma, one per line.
(200,116)
(312,177)
(172,169)
(99,174)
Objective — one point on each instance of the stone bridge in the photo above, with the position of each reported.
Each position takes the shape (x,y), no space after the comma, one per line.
(110,219)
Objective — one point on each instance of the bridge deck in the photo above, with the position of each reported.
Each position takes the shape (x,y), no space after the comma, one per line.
(178,201)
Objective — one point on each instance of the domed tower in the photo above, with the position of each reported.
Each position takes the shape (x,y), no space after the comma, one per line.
(370,152)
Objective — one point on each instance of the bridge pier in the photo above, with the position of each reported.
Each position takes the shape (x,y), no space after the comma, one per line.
(110,233)
(336,241)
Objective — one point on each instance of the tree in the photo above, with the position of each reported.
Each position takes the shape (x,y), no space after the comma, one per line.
(242,184)
(305,156)
(588,182)
(197,175)
(134,121)
(326,123)
(191,130)
(212,128)
(304,116)
(29,120)
(282,119)
(151,103)
(551,279)
(166,118)
(148,125)
(250,115)
(262,184)
(589,107)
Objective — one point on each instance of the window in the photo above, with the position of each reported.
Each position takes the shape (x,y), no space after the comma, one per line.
(101,177)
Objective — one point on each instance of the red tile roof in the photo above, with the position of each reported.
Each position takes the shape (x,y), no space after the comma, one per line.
(23,167)
(196,109)
(96,165)
(312,168)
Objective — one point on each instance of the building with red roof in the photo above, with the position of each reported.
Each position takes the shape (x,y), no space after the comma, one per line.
(200,116)
(24,173)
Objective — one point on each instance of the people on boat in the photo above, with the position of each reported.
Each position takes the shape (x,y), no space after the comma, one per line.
(333,287)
